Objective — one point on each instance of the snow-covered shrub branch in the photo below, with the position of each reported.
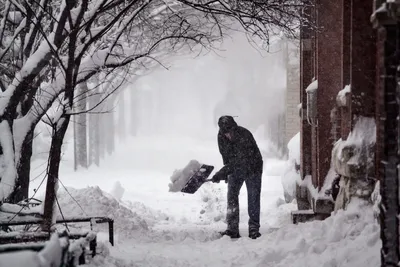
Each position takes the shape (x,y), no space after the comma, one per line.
(26,69)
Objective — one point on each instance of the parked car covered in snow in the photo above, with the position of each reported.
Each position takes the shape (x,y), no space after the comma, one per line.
(291,172)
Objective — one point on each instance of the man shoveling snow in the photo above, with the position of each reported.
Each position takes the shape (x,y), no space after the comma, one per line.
(243,163)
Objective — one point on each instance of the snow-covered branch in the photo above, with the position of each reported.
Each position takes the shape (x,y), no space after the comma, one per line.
(55,45)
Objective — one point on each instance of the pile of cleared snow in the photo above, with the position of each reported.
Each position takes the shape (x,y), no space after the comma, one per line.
(294,148)
(290,175)
(349,238)
(213,207)
(95,202)
(180,177)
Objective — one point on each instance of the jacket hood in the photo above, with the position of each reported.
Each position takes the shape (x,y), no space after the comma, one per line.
(226,123)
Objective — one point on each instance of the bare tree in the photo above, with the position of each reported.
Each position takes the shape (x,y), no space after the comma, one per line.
(53,46)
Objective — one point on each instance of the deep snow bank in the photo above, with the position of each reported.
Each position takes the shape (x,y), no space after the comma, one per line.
(349,238)
(290,174)
(130,218)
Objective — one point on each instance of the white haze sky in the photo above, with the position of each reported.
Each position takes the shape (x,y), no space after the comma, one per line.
(187,99)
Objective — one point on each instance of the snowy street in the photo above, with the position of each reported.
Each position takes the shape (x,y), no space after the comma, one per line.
(175,124)
(155,227)
(183,229)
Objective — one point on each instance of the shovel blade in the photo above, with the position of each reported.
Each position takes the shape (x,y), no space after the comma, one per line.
(198,179)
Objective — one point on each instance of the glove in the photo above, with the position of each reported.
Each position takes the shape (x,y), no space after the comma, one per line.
(217,177)
(222,174)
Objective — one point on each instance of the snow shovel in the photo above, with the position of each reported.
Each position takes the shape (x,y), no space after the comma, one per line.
(198,179)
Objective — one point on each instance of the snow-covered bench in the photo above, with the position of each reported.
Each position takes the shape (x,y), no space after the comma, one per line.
(13,220)
(53,253)
(30,244)
(58,251)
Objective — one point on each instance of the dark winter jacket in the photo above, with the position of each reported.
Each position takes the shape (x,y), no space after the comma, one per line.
(241,154)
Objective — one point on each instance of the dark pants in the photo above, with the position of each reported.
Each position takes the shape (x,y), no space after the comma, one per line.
(253,184)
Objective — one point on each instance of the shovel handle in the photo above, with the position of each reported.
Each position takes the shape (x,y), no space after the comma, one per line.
(210,180)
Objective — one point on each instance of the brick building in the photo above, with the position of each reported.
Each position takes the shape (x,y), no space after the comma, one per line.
(337,50)
(349,73)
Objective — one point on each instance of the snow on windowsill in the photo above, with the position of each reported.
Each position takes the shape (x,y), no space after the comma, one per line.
(382,8)
(312,87)
(314,192)
(341,98)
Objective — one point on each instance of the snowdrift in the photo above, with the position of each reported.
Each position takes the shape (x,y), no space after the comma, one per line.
(348,238)
(129,218)
(290,175)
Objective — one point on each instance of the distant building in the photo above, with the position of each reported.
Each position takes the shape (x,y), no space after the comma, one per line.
(292,100)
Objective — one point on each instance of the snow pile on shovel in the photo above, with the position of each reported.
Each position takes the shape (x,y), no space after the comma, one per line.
(180,177)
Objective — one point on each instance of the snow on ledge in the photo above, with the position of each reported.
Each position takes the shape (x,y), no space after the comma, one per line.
(364,133)
(312,87)
(341,98)
(314,192)
(360,139)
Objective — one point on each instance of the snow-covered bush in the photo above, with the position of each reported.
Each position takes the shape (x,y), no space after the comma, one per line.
(291,172)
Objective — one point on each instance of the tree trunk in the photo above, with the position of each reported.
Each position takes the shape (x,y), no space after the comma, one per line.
(53,172)
(102,119)
(80,132)
(109,125)
(21,188)
(7,157)
(121,116)
(133,110)
(94,130)
(23,159)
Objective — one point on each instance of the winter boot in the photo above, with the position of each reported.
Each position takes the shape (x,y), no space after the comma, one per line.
(230,233)
(254,235)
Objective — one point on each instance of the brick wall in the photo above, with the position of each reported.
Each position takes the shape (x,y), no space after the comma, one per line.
(329,76)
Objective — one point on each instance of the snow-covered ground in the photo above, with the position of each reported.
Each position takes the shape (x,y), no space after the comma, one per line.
(155,227)
(176,123)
